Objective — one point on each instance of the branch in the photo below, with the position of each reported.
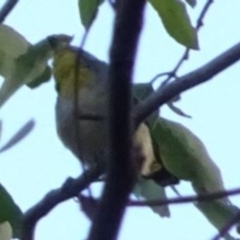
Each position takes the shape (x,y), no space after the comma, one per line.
(188,81)
(121,173)
(6,9)
(186,199)
(203,14)
(69,189)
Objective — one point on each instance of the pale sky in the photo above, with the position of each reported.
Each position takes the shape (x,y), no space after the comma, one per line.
(41,163)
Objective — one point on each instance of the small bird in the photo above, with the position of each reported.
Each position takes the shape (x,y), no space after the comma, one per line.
(81,109)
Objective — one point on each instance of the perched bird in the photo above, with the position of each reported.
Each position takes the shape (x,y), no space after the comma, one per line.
(81,109)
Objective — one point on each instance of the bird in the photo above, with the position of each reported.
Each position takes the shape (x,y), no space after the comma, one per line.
(81,108)
(81,119)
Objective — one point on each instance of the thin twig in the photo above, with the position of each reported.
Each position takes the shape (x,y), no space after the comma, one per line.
(157,76)
(69,189)
(6,9)
(186,199)
(181,199)
(203,14)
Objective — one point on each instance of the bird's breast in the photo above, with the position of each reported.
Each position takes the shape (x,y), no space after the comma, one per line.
(83,131)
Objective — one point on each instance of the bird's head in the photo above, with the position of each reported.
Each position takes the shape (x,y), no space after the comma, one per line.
(59,41)
(73,68)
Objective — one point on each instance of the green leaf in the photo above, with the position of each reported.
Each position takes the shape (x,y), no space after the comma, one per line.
(176,21)
(185,156)
(88,11)
(192,3)
(44,77)
(17,137)
(25,69)
(177,110)
(9,211)
(148,190)
(12,45)
(29,68)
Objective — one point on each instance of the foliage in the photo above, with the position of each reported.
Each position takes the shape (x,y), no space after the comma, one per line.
(10,212)
(172,13)
(20,62)
(178,150)
(176,21)
(88,11)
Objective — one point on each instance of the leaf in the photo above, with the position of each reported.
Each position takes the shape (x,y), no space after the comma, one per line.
(192,3)
(176,21)
(44,77)
(12,42)
(9,211)
(5,231)
(22,133)
(28,68)
(12,45)
(177,110)
(148,190)
(184,155)
(21,65)
(88,11)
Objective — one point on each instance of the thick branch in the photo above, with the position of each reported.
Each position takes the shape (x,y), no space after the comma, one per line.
(120,174)
(188,81)
(6,9)
(70,188)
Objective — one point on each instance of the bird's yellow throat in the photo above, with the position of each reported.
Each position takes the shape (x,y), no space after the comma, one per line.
(64,70)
